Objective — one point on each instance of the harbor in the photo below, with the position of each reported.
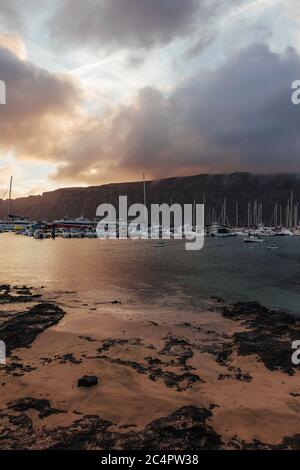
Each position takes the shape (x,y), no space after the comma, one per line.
(252,225)
(185,338)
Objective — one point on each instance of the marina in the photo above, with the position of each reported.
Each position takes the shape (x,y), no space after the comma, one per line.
(254,229)
(226,266)
(75,228)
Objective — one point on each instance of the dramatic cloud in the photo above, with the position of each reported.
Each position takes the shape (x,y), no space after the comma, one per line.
(239,117)
(40,108)
(13,43)
(129,138)
(112,23)
(135,23)
(165,115)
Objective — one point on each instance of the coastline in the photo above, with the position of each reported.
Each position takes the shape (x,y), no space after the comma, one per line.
(222,372)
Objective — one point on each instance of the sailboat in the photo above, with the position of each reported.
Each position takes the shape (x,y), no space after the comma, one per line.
(13,222)
(144,229)
(253,239)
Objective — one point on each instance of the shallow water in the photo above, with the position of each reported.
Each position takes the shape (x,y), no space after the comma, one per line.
(136,271)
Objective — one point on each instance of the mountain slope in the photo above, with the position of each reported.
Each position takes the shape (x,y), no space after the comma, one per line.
(240,187)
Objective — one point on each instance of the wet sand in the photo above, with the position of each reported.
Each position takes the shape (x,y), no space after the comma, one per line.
(151,362)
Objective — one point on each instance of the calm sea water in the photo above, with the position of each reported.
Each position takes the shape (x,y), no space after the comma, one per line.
(140,272)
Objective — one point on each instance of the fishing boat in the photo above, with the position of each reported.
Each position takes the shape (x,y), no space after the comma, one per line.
(253,239)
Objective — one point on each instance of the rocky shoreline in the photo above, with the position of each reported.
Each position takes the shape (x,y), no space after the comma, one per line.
(172,363)
(187,429)
(21,330)
(269,335)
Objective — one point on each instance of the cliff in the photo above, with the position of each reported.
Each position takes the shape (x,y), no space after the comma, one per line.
(240,187)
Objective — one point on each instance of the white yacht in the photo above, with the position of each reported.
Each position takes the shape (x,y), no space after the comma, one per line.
(253,239)
(284,232)
(262,231)
(69,223)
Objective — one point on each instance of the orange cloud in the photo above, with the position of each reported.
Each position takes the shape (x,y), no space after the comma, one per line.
(13,43)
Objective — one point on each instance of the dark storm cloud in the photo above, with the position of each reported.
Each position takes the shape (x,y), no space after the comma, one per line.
(135,136)
(242,113)
(133,23)
(239,117)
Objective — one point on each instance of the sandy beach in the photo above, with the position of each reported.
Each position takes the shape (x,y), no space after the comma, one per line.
(216,376)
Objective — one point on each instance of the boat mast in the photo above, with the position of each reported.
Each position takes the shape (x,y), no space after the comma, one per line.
(255,213)
(224,212)
(194,214)
(9,197)
(292,209)
(249,214)
(280,215)
(145,198)
(296,215)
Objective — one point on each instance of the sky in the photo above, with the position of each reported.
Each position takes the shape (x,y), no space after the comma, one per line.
(101,91)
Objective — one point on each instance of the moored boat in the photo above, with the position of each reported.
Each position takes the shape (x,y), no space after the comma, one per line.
(253,239)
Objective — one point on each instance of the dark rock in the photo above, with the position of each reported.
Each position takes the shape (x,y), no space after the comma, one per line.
(181,381)
(223,354)
(88,338)
(24,294)
(292,443)
(17,369)
(288,443)
(236,376)
(179,348)
(21,330)
(152,361)
(273,352)
(171,379)
(87,381)
(111,342)
(88,433)
(269,335)
(41,405)
(69,358)
(186,429)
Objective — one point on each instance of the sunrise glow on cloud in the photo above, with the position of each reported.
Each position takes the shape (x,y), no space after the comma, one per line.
(103,90)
